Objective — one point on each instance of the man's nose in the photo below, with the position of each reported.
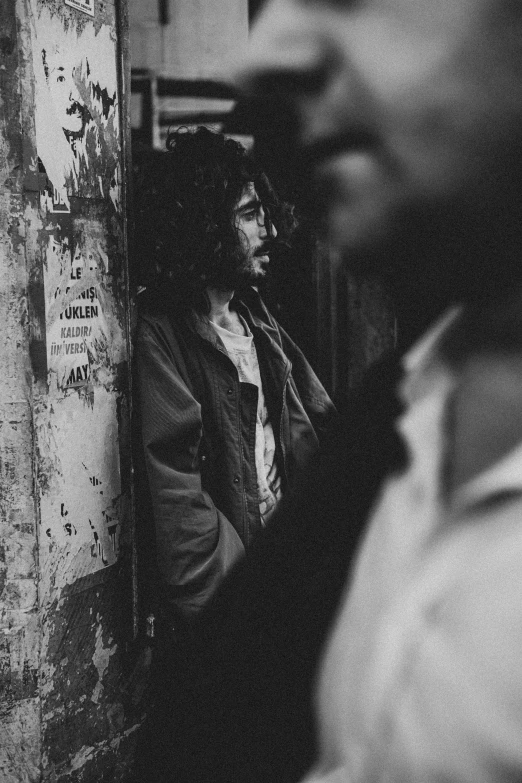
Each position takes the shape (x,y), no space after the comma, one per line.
(266,227)
(271,231)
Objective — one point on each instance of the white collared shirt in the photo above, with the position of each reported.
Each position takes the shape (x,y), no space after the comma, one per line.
(422,676)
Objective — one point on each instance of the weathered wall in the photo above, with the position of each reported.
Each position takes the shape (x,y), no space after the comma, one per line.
(65,612)
(19,638)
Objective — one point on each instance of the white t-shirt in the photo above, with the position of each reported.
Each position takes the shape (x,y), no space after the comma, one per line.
(242,352)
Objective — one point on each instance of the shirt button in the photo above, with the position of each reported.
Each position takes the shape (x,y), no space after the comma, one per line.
(230,391)
(236,479)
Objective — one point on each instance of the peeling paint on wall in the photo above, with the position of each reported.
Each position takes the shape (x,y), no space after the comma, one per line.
(80,515)
(19,637)
(77,120)
(19,757)
(79,147)
(83,336)
(63,397)
(77,422)
(101,658)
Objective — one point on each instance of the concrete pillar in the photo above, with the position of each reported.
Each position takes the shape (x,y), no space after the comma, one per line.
(65,609)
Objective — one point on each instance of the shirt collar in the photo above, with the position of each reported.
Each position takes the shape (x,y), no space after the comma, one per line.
(427,386)
(500,481)
(423,359)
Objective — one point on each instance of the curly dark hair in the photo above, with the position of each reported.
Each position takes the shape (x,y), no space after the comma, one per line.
(184,207)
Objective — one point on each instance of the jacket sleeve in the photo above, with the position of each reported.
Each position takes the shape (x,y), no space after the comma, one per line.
(196,544)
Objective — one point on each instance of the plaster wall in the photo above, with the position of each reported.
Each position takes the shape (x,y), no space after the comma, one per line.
(19,637)
(65,613)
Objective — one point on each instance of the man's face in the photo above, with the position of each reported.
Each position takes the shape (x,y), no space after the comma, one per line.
(407,110)
(249,219)
(65,96)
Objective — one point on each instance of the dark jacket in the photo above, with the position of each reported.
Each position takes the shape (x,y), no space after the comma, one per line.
(246,707)
(199,425)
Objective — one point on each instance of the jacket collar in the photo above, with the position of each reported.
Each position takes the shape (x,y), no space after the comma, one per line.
(252,308)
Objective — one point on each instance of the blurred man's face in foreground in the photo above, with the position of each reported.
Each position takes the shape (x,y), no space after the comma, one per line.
(409,111)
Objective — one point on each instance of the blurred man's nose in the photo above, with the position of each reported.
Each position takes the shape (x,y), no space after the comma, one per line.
(285,55)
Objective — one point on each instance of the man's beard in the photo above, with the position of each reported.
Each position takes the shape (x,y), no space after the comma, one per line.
(432,256)
(237,271)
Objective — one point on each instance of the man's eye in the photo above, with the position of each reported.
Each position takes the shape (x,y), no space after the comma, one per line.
(250,215)
(60,79)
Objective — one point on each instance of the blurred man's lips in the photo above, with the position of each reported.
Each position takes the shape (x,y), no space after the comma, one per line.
(345,166)
(320,150)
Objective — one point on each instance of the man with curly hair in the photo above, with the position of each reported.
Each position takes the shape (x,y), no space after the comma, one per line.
(230,408)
